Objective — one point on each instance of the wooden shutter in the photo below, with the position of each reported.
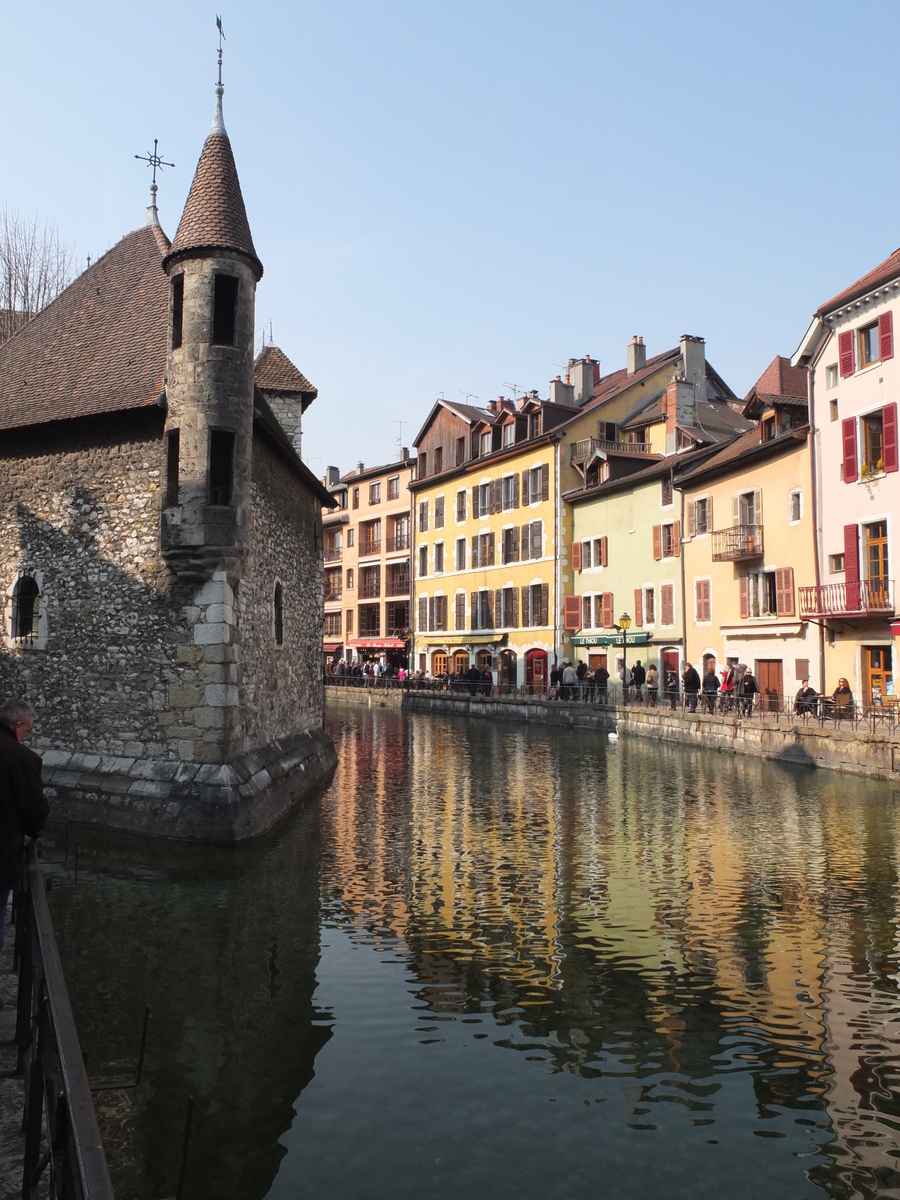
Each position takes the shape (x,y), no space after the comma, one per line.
(545,482)
(491,549)
(845,353)
(526,542)
(638,606)
(676,539)
(526,498)
(514,606)
(515,543)
(745,597)
(851,554)
(490,603)
(460,615)
(423,615)
(701,590)
(889,429)
(607,602)
(473,609)
(572,613)
(735,511)
(603,551)
(667,603)
(475,512)
(498,606)
(526,607)
(545,604)
(474,551)
(439,513)
(886,335)
(515,490)
(496,495)
(585,612)
(431,625)
(848,433)
(537,530)
(784,591)
(657,542)
(691,518)
(709,516)
(576,556)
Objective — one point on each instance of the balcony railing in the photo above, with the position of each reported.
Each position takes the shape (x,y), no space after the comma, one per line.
(333,555)
(368,548)
(400,542)
(582,451)
(398,586)
(866,597)
(368,631)
(332,594)
(736,543)
(369,591)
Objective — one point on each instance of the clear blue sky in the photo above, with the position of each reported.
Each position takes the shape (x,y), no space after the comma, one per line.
(458,196)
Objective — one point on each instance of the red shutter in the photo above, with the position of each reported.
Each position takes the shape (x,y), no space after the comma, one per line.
(889,426)
(572,613)
(607,610)
(851,554)
(657,542)
(745,597)
(638,606)
(845,353)
(576,556)
(886,335)
(784,591)
(848,429)
(676,539)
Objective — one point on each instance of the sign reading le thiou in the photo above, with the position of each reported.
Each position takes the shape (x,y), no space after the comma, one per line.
(611,639)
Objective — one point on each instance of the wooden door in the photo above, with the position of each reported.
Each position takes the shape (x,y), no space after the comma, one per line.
(770,677)
(879,677)
(596,660)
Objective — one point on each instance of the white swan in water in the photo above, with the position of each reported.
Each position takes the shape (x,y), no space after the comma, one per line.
(613,737)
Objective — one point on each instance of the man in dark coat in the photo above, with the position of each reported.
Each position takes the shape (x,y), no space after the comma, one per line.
(691,682)
(23,806)
(638,675)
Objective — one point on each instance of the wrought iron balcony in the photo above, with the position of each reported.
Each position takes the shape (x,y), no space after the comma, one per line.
(399,586)
(737,543)
(369,591)
(333,555)
(400,542)
(368,548)
(866,597)
(332,594)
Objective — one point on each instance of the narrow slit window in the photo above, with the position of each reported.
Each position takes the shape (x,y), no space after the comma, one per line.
(221,466)
(278,606)
(224,309)
(177,310)
(172,454)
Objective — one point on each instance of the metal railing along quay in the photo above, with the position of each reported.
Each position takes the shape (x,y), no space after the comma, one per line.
(59,1109)
(770,707)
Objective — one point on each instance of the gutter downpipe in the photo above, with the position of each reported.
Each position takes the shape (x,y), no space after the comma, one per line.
(684,642)
(813,458)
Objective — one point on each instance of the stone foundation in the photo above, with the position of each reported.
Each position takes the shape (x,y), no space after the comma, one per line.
(194,802)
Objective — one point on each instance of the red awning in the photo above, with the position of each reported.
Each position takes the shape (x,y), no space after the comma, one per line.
(331,647)
(378,643)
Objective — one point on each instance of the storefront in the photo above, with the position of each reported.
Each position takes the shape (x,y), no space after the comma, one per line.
(390,651)
(331,653)
(443,654)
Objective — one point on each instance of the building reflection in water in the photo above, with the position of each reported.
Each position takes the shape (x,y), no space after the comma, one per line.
(638,911)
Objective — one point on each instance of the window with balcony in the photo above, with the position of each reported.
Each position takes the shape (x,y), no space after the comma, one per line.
(332,545)
(369,620)
(399,539)
(484,499)
(509,493)
(396,617)
(371,538)
(397,579)
(333,584)
(333,624)
(393,487)
(423,561)
(370,583)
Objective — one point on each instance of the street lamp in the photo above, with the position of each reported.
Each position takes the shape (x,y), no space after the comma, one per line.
(623,626)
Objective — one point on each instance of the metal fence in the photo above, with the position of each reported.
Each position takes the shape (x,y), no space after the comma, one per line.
(762,706)
(59,1122)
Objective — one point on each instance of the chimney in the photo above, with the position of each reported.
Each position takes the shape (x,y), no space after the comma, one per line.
(693,359)
(582,375)
(679,409)
(562,393)
(637,355)
(332,476)
(404,453)
(360,467)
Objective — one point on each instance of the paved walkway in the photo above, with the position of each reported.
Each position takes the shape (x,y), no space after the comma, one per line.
(11,1141)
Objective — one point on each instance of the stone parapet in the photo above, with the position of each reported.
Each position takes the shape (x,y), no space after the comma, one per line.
(189,801)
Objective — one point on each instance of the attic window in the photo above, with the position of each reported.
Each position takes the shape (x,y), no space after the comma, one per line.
(224,310)
(221,466)
(177,310)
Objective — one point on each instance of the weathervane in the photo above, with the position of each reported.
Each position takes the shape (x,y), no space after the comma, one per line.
(221,40)
(153,160)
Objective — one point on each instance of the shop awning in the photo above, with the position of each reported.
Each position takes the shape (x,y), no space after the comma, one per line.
(331,647)
(377,643)
(610,639)
(459,639)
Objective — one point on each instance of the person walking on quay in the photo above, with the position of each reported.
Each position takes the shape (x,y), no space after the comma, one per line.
(555,676)
(569,681)
(638,676)
(601,682)
(691,681)
(580,672)
(625,676)
(672,688)
(727,689)
(710,687)
(749,688)
(807,699)
(23,805)
(652,684)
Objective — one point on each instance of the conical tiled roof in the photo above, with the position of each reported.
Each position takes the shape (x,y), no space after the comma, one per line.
(214,217)
(274,372)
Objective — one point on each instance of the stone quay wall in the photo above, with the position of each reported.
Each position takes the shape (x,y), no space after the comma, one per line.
(853,751)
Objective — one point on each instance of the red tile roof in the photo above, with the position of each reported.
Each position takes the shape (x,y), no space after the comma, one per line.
(781,379)
(274,372)
(877,277)
(99,347)
(611,385)
(214,217)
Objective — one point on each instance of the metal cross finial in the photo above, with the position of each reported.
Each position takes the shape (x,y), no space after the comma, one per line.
(153,160)
(221,40)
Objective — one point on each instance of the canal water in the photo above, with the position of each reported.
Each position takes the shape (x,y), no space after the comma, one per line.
(497,961)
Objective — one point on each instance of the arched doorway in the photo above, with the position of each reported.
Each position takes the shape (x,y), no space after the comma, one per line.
(460,663)
(506,673)
(536,671)
(440,664)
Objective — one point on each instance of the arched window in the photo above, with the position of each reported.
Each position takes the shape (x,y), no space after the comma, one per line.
(26,599)
(278,609)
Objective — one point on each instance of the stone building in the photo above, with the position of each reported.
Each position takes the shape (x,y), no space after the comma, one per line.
(160,538)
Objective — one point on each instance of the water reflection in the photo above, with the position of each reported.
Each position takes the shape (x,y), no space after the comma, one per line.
(549,967)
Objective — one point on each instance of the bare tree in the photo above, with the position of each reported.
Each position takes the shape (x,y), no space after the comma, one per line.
(35,266)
